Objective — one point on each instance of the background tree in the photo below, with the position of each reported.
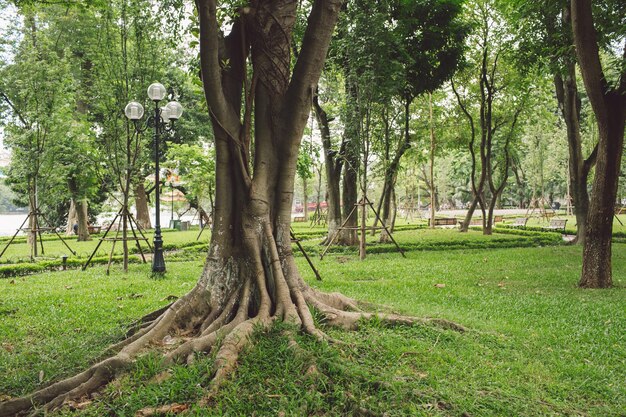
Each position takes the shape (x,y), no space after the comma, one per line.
(545,34)
(492,107)
(37,96)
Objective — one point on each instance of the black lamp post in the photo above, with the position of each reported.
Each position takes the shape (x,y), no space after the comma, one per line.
(163,121)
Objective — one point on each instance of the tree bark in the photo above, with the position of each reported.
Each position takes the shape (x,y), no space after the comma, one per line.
(33,221)
(72,219)
(609,106)
(391,171)
(141,204)
(305,200)
(333,163)
(352,134)
(81,207)
(432,159)
(82,211)
(569,104)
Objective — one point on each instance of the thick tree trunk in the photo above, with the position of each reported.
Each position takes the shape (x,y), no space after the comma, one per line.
(609,106)
(81,206)
(141,205)
(596,271)
(82,215)
(352,162)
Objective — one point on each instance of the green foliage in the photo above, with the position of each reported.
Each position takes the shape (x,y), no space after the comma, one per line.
(195,165)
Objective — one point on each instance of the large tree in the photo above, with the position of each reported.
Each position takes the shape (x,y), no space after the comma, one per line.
(250,278)
(608,100)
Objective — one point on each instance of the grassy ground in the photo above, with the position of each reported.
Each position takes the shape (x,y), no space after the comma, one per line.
(537,345)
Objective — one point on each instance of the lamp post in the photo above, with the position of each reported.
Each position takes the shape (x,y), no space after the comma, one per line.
(162,121)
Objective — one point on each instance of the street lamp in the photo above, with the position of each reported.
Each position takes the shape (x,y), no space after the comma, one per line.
(163,121)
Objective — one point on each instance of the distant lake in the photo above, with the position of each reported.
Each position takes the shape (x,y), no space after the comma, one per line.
(10,222)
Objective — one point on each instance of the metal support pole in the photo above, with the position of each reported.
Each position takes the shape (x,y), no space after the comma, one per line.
(158,262)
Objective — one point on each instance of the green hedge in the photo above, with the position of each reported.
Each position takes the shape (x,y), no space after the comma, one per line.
(28,268)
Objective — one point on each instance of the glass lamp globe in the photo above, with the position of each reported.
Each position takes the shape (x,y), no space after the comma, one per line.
(165,114)
(176,110)
(133,110)
(156,92)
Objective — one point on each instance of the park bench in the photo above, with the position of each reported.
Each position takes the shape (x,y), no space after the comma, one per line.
(94,229)
(445,221)
(557,224)
(299,219)
(520,222)
(498,219)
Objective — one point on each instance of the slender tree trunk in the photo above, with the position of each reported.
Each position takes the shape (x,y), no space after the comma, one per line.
(305,200)
(432,159)
(72,219)
(141,204)
(33,221)
(333,164)
(469,215)
(569,104)
(81,209)
(391,172)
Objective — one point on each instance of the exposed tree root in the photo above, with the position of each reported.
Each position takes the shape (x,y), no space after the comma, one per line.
(194,325)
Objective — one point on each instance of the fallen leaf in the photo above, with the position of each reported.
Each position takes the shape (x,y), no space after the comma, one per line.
(501,284)
(74,405)
(168,340)
(422,375)
(8,347)
(162,410)
(68,287)
(40,376)
(135,296)
(440,285)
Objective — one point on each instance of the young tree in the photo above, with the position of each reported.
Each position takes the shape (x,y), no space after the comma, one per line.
(608,100)
(250,278)
(492,107)
(37,97)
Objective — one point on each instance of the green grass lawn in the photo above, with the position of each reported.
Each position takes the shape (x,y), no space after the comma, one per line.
(536,344)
